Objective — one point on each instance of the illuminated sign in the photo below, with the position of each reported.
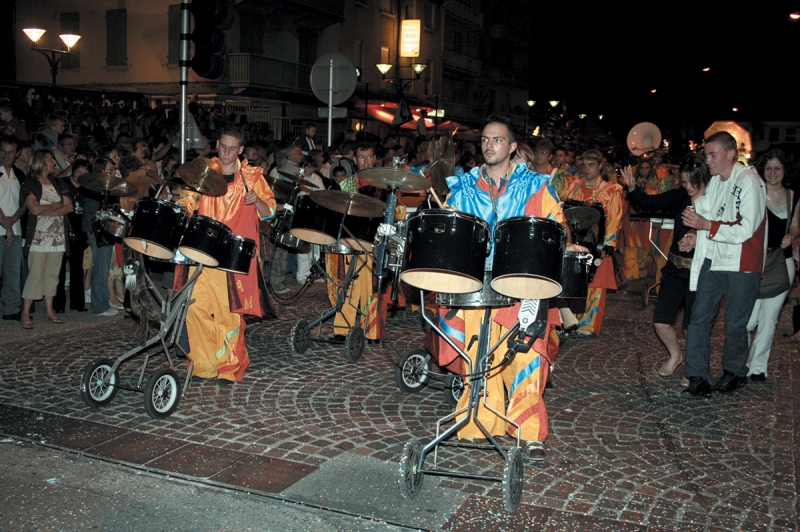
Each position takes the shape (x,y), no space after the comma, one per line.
(410,31)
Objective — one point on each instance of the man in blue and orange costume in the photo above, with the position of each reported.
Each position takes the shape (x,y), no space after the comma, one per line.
(496,191)
(215,321)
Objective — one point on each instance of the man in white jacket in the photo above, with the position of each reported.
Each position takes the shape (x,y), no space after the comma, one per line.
(730,246)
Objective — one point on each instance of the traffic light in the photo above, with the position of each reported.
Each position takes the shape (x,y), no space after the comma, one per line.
(208,37)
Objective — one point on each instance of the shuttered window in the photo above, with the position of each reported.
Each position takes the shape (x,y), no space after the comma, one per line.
(117,37)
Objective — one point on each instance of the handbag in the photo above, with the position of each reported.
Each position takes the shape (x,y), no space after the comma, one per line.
(775,279)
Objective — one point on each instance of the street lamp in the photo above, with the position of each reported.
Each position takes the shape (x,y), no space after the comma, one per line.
(530,103)
(54,57)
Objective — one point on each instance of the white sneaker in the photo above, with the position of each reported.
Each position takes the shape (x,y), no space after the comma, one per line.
(110,312)
(87,296)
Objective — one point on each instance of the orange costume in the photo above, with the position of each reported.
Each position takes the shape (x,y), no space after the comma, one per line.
(214,322)
(610,196)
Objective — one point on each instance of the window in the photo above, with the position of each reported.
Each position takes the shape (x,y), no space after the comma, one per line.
(384,54)
(431,16)
(174,34)
(774,134)
(387,6)
(71,24)
(117,37)
(790,134)
(458,42)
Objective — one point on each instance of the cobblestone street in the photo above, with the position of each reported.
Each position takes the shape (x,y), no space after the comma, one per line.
(625,451)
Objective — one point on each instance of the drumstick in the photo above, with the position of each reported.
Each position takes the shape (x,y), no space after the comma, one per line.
(436,197)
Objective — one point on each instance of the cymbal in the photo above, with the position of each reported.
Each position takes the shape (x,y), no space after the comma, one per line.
(351,203)
(580,218)
(444,164)
(294,178)
(115,186)
(204,176)
(390,177)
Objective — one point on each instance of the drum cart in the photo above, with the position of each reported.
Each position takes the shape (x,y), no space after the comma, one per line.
(413,372)
(412,461)
(354,342)
(100,380)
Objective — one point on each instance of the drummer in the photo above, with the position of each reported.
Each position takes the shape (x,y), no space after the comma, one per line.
(495,191)
(215,322)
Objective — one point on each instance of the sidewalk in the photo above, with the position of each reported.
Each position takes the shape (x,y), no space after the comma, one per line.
(626,452)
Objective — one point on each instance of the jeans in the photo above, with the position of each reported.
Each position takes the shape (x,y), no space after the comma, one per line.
(763,321)
(101,257)
(740,290)
(10,274)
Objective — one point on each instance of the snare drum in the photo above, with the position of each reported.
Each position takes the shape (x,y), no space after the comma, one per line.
(445,251)
(575,274)
(204,239)
(156,228)
(285,238)
(337,249)
(364,231)
(236,254)
(527,257)
(314,223)
(486,297)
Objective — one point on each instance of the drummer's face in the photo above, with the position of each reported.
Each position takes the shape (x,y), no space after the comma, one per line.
(365,159)
(591,169)
(229,149)
(495,146)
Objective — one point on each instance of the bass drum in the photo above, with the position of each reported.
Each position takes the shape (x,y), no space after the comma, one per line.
(527,257)
(314,223)
(236,254)
(446,251)
(575,274)
(485,297)
(156,228)
(204,239)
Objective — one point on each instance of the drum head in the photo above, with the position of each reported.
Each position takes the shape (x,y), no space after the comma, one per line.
(446,281)
(199,256)
(149,248)
(526,286)
(357,245)
(314,237)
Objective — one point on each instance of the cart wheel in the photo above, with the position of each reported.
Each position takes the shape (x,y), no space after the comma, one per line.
(354,344)
(300,339)
(410,480)
(645,295)
(453,389)
(411,370)
(94,391)
(161,393)
(512,479)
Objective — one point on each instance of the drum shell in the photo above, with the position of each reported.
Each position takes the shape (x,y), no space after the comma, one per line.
(364,231)
(575,274)
(445,251)
(203,240)
(528,252)
(178,258)
(236,254)
(285,238)
(156,228)
(336,249)
(314,223)
(485,297)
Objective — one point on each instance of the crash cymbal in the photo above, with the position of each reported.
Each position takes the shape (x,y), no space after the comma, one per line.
(391,177)
(115,186)
(294,178)
(350,203)
(580,218)
(204,176)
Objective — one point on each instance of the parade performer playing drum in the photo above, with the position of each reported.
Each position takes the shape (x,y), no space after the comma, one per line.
(496,191)
(214,322)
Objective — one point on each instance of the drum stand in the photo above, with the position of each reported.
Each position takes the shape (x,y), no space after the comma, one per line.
(412,461)
(100,380)
(354,342)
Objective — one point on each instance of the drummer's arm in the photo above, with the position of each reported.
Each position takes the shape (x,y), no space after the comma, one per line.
(189,200)
(613,210)
(264,200)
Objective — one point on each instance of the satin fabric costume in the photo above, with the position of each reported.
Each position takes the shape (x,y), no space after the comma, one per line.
(214,323)
(610,196)
(526,193)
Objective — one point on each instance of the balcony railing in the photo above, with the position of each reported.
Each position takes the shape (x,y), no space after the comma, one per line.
(461,63)
(248,70)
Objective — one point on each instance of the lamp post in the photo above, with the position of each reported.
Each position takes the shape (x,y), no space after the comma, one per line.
(54,57)
(400,84)
(530,103)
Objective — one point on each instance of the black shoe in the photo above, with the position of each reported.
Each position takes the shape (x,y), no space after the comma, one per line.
(729,382)
(79,309)
(225,382)
(197,380)
(338,338)
(699,388)
(758,377)
(373,342)
(15,317)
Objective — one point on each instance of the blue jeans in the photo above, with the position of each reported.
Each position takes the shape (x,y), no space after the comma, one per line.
(740,290)
(101,257)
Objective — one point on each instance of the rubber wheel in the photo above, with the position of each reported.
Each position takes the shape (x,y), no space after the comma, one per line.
(411,370)
(513,469)
(299,340)
(162,393)
(645,296)
(410,480)
(354,344)
(453,389)
(94,391)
